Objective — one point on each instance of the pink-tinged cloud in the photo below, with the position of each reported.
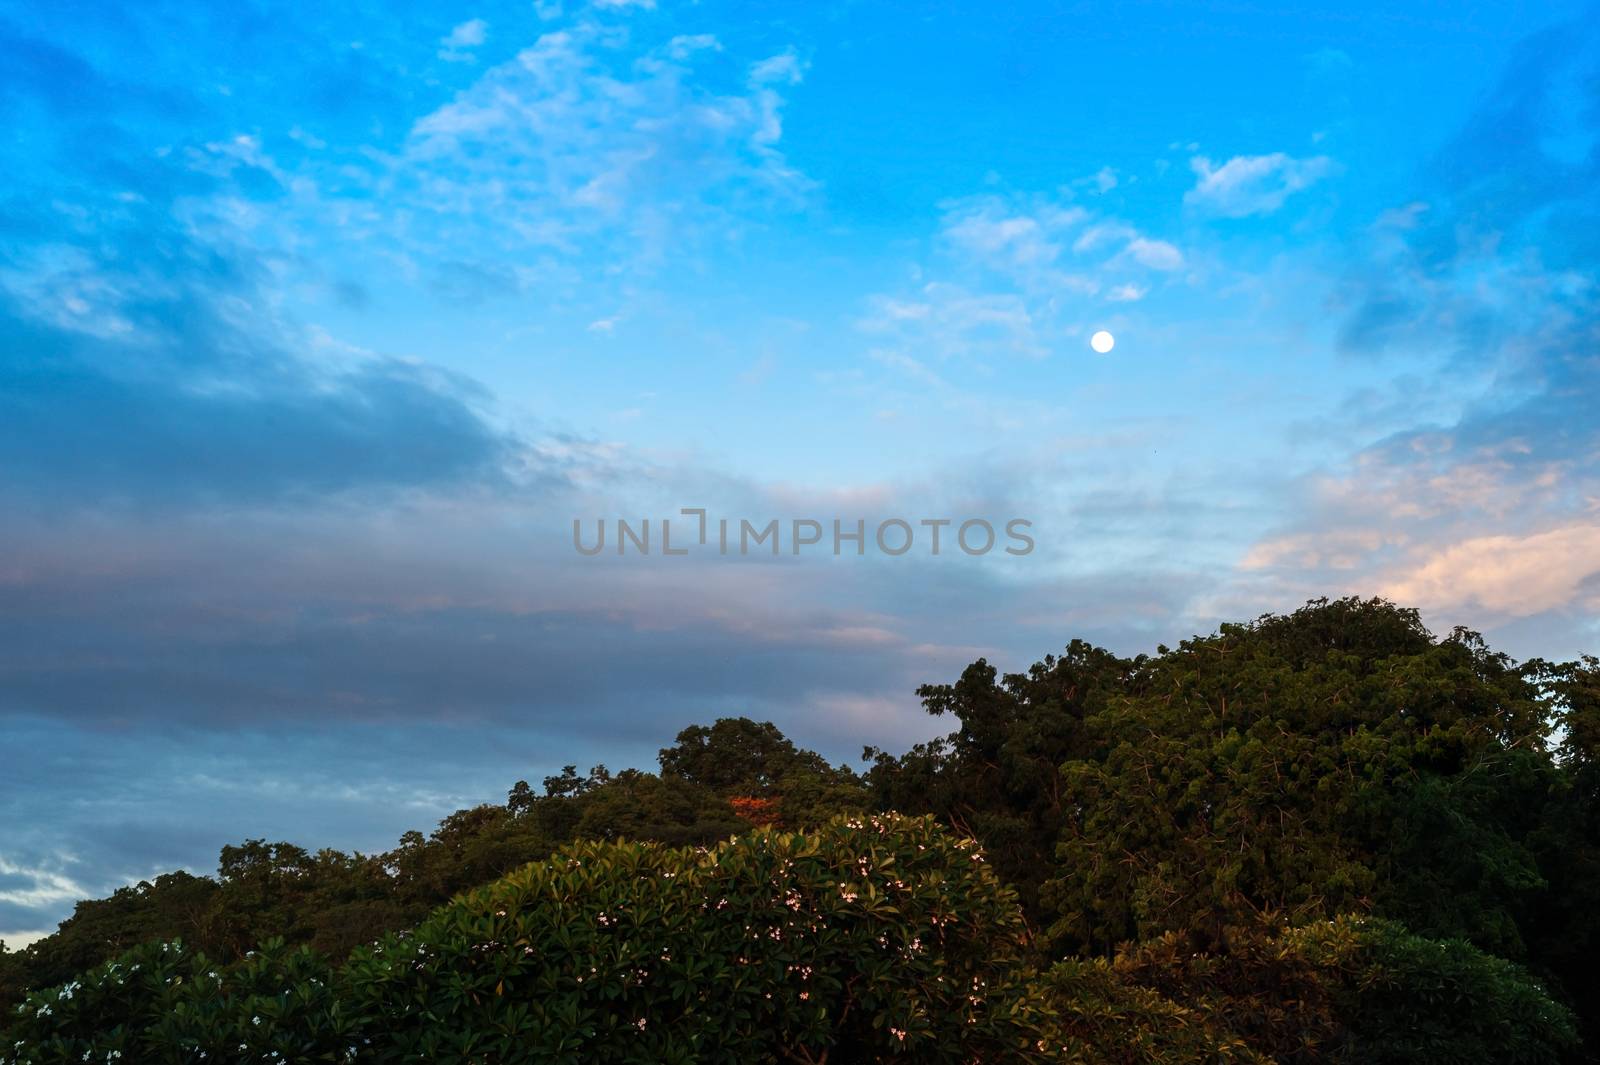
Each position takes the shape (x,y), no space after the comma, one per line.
(1509,576)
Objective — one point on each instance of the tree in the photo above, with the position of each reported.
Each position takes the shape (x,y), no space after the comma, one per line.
(737,758)
(1338,758)
(998,777)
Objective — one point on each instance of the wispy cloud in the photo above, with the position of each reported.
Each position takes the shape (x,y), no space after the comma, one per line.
(1017,275)
(1490,277)
(1252,184)
(457,46)
(581,138)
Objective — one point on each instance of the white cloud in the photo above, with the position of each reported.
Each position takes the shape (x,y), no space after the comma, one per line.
(583,136)
(1478,534)
(1252,184)
(782,69)
(457,45)
(685,45)
(24,940)
(44,886)
(1015,275)
(947,320)
(1102,233)
(994,235)
(1102,181)
(1156,254)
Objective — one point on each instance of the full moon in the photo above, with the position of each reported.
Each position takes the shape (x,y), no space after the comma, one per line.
(1102,342)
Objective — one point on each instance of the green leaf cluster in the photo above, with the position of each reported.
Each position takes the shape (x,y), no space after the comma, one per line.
(870,938)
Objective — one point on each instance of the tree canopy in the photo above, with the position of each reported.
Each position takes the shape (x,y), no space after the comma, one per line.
(1280,841)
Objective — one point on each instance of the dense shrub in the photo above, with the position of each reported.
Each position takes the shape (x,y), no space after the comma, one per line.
(1256,983)
(163,1005)
(1352,991)
(1092,1014)
(868,939)
(1416,1001)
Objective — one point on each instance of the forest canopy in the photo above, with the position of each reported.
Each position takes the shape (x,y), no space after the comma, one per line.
(1329,835)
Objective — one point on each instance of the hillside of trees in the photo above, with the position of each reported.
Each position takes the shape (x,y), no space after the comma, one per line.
(1326,836)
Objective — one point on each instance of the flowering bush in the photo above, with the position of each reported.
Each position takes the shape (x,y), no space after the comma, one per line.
(871,938)
(160,1003)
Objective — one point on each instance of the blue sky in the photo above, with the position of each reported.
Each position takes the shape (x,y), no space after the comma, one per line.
(319,327)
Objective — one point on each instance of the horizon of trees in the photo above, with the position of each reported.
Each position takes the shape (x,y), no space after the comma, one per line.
(1336,763)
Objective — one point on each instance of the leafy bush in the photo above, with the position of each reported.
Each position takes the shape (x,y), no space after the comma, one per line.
(160,1004)
(1093,1014)
(1256,983)
(868,939)
(1428,1002)
(1352,991)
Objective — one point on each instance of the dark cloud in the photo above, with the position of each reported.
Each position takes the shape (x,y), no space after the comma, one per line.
(140,359)
(83,427)
(164,439)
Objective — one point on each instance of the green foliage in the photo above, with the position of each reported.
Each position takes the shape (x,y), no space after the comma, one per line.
(635,805)
(334,902)
(1417,1001)
(173,906)
(998,777)
(869,939)
(1097,1016)
(737,756)
(1255,983)
(1352,991)
(1284,766)
(1162,819)
(740,758)
(1332,759)
(164,1005)
(864,940)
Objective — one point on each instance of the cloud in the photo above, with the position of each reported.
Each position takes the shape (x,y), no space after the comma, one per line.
(1013,275)
(947,320)
(587,144)
(685,45)
(1156,254)
(1105,180)
(1507,576)
(1252,184)
(784,68)
(35,887)
(457,45)
(1486,288)
(147,371)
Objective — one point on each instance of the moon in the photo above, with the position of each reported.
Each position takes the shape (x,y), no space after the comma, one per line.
(1102,342)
